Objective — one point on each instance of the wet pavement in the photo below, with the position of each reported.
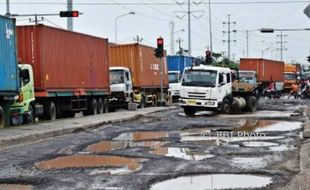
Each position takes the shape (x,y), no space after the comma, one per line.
(166,150)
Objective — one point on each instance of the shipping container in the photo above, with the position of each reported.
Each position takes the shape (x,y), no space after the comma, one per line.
(63,60)
(178,63)
(266,70)
(142,62)
(9,82)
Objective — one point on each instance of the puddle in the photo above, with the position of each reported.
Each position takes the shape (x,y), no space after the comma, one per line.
(282,148)
(223,139)
(250,162)
(15,187)
(217,181)
(113,171)
(105,146)
(142,136)
(255,144)
(89,161)
(267,125)
(183,153)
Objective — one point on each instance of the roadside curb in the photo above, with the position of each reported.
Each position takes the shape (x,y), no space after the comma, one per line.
(30,134)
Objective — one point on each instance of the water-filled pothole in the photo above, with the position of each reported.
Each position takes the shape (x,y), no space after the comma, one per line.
(89,161)
(255,144)
(105,146)
(15,187)
(142,136)
(216,181)
(183,153)
(267,125)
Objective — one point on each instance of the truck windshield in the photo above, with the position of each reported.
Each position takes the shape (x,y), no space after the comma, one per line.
(116,76)
(173,77)
(203,78)
(247,77)
(289,76)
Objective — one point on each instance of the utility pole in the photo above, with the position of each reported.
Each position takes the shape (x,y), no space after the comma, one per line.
(189,29)
(229,31)
(171,23)
(247,44)
(210,27)
(8,8)
(281,42)
(69,19)
(179,41)
(138,39)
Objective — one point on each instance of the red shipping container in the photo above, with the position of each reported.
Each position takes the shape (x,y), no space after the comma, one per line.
(266,70)
(142,62)
(63,60)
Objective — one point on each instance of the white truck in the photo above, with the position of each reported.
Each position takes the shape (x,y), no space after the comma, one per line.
(209,88)
(174,84)
(120,87)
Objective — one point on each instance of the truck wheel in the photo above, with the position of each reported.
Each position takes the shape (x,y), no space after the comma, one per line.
(50,111)
(2,118)
(105,105)
(30,117)
(252,104)
(100,106)
(189,111)
(93,107)
(226,107)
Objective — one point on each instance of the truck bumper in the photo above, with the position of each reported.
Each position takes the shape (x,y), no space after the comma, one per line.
(203,104)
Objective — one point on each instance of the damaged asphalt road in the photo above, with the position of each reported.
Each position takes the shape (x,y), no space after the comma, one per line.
(207,151)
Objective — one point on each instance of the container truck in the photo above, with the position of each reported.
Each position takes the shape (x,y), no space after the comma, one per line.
(135,75)
(9,75)
(209,88)
(176,65)
(291,74)
(62,73)
(263,71)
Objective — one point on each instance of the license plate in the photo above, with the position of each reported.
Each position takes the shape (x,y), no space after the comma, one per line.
(191,102)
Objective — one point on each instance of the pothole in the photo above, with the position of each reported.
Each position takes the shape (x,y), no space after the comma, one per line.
(15,187)
(267,125)
(105,146)
(89,161)
(142,136)
(256,144)
(216,181)
(250,162)
(183,153)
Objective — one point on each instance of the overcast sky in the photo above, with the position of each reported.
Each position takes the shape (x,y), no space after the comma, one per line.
(152,20)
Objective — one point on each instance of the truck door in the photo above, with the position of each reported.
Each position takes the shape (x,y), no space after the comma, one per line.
(224,84)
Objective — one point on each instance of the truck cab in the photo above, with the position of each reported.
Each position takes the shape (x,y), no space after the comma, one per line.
(174,84)
(205,88)
(248,77)
(120,86)
(23,110)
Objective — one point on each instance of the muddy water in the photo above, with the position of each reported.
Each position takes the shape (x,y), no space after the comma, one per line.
(217,181)
(15,187)
(105,146)
(183,153)
(143,136)
(89,161)
(267,125)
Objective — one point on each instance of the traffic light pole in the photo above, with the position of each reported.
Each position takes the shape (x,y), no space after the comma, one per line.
(161,83)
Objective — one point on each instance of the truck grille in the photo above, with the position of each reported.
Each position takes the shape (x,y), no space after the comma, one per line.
(196,95)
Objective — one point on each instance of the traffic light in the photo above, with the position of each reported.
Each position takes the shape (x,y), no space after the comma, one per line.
(69,14)
(208,57)
(159,51)
(309,58)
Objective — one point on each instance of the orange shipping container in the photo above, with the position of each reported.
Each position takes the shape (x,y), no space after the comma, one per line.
(267,70)
(63,60)
(142,62)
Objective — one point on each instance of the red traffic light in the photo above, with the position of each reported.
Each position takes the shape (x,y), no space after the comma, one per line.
(160,41)
(69,14)
(208,53)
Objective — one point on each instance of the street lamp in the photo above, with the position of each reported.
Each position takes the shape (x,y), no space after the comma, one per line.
(116,19)
(172,40)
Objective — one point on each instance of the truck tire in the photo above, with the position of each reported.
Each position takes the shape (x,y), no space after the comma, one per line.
(50,112)
(2,118)
(189,111)
(30,117)
(106,105)
(100,106)
(252,104)
(226,107)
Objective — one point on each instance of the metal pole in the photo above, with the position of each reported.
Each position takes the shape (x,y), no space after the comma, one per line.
(116,29)
(189,29)
(171,37)
(281,45)
(161,83)
(8,8)
(228,37)
(247,44)
(69,19)
(210,26)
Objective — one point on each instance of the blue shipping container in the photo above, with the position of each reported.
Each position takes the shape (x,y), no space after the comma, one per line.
(178,63)
(9,82)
